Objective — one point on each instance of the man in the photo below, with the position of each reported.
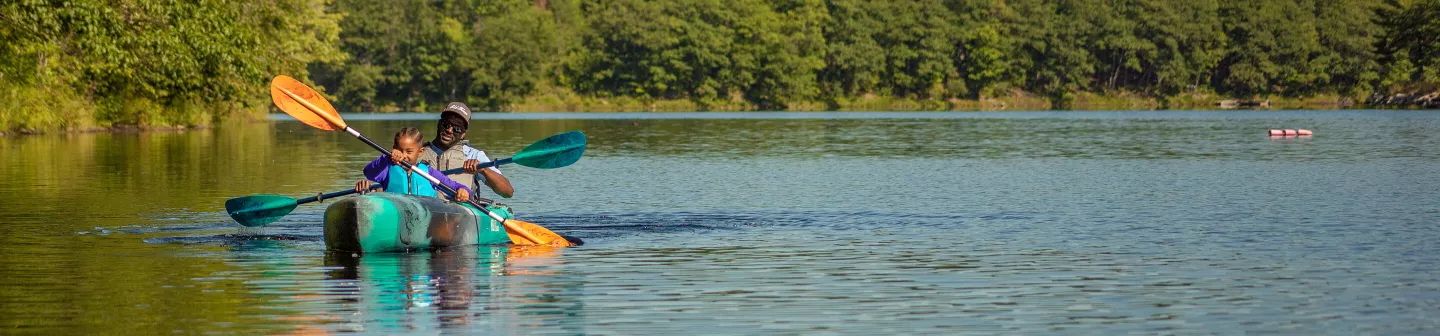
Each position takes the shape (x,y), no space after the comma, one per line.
(449,150)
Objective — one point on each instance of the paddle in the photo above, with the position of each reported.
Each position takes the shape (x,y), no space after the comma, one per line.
(556,151)
(307,106)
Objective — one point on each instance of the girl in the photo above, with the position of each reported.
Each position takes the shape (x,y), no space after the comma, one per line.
(387,171)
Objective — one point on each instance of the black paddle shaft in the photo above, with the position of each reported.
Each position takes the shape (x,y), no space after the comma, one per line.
(323,197)
(482,165)
(451,191)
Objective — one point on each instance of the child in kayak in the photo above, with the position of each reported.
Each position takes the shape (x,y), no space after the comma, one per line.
(387,171)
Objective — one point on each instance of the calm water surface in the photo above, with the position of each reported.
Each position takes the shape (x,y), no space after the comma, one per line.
(770,223)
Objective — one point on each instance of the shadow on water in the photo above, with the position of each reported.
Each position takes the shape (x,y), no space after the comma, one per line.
(303,227)
(233,239)
(611,226)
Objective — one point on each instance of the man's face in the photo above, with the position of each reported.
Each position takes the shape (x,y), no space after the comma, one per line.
(451,130)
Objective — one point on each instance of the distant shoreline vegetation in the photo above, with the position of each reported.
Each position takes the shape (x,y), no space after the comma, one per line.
(141,64)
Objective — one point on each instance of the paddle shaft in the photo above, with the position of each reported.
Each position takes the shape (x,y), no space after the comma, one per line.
(330,195)
(242,211)
(448,190)
(478,167)
(377,187)
(336,121)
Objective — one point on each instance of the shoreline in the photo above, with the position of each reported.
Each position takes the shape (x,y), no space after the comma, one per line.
(121,129)
(1081,103)
(565,101)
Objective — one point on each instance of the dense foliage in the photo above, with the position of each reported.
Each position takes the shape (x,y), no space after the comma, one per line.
(152,62)
(130,61)
(773,53)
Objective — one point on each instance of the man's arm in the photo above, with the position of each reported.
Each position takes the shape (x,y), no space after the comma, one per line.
(491,177)
(497,183)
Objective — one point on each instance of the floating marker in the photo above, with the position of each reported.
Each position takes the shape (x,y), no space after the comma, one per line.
(1291,132)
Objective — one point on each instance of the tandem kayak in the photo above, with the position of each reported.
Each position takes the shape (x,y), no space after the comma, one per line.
(390,222)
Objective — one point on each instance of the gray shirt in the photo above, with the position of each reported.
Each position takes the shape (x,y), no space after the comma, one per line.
(455,158)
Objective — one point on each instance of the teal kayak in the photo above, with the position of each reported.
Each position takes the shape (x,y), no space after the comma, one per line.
(389,222)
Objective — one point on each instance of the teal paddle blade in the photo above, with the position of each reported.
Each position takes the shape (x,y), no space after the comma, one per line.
(553,152)
(258,210)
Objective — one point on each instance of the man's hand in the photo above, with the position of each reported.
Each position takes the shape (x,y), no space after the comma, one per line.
(462,195)
(472,166)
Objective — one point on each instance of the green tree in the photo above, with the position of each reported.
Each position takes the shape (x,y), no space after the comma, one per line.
(513,50)
(425,53)
(854,60)
(1273,47)
(1052,54)
(1189,39)
(1348,34)
(159,62)
(710,51)
(1410,45)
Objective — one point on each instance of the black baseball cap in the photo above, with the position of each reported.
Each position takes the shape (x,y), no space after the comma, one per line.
(459,109)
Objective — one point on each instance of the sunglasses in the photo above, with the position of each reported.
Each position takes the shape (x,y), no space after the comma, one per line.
(452,128)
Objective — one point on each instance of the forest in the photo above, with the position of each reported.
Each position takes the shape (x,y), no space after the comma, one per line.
(109,63)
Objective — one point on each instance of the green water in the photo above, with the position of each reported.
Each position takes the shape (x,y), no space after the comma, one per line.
(736,223)
(65,269)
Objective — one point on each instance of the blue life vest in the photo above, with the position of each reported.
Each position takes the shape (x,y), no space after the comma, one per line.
(410,184)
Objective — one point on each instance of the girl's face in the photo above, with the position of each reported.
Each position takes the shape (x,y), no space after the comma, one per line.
(410,148)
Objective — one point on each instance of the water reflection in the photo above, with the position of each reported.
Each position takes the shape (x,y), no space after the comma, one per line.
(1072,223)
(458,290)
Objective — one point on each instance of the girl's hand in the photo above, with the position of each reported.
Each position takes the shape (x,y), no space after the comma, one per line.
(363,186)
(462,195)
(396,156)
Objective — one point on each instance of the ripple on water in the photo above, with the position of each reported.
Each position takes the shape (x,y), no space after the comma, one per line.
(777,272)
(1054,223)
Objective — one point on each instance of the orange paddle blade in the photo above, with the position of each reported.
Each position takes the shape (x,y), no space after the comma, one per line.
(535,254)
(300,101)
(546,236)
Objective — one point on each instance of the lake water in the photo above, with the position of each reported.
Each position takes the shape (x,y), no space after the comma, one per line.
(760,223)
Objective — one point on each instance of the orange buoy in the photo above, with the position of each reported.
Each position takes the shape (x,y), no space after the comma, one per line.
(1276,132)
(1305,132)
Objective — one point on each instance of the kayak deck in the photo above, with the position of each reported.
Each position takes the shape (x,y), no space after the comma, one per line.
(389,222)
